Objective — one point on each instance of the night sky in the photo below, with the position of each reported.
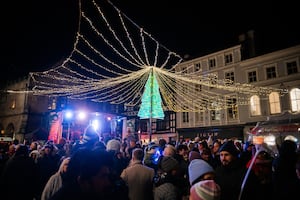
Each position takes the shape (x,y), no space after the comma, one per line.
(37,34)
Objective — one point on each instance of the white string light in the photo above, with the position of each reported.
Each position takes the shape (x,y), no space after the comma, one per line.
(111,63)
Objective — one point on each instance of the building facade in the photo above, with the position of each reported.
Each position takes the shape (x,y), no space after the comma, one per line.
(276,113)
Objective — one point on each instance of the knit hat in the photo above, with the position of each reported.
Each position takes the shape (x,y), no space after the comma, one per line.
(168,163)
(230,147)
(198,168)
(90,136)
(113,145)
(205,190)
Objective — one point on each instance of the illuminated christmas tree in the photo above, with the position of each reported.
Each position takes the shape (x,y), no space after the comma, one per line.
(151,106)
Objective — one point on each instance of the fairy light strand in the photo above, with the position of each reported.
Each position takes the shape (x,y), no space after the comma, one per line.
(119,76)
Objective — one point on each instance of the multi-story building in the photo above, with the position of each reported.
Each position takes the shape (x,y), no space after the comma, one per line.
(277,113)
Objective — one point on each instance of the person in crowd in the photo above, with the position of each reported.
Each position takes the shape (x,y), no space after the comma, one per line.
(194,155)
(166,181)
(202,145)
(169,150)
(205,190)
(48,164)
(152,156)
(19,179)
(231,175)
(200,170)
(262,168)
(215,153)
(139,177)
(162,144)
(35,155)
(90,139)
(33,146)
(11,150)
(191,145)
(182,157)
(132,145)
(89,177)
(56,180)
(207,155)
(286,182)
(62,147)
(120,162)
(247,152)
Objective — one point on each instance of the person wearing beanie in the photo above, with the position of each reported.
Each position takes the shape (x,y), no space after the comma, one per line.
(231,175)
(166,185)
(200,170)
(205,190)
(90,136)
(113,145)
(90,139)
(230,147)
(168,163)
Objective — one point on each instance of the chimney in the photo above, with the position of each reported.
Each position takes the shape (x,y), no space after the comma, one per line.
(248,44)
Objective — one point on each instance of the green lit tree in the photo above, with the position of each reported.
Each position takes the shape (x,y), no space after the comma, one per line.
(151,106)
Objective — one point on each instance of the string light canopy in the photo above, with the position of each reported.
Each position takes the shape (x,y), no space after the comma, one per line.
(112,59)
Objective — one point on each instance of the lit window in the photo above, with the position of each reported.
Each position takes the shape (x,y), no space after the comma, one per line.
(274,102)
(255,106)
(295,99)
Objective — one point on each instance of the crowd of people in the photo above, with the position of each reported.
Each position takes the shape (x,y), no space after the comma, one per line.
(197,169)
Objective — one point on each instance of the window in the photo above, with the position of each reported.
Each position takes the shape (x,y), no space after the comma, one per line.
(229,76)
(228,58)
(212,63)
(252,77)
(213,79)
(274,102)
(291,67)
(255,106)
(295,99)
(185,117)
(232,108)
(184,70)
(197,67)
(199,116)
(215,113)
(163,124)
(271,72)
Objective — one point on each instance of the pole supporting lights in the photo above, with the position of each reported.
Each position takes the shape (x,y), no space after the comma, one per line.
(69,116)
